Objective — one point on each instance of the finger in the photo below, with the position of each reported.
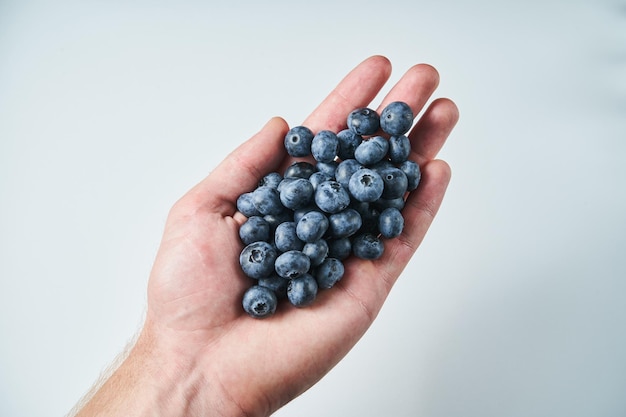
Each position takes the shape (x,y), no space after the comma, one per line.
(414,88)
(432,129)
(357,89)
(419,212)
(241,171)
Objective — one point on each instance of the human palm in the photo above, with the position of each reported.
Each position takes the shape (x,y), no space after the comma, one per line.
(195,289)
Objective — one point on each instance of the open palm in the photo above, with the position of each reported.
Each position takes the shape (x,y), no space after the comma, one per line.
(194,294)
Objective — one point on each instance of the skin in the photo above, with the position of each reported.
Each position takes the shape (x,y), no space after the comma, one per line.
(198,353)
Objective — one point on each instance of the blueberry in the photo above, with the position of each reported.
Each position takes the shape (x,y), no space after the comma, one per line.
(316,251)
(399,149)
(331,197)
(339,248)
(275,283)
(329,273)
(267,200)
(298,141)
(383,203)
(396,118)
(327,168)
(302,291)
(286,239)
(319,177)
(372,150)
(298,213)
(296,194)
(364,121)
(345,223)
(366,185)
(370,218)
(344,171)
(245,205)
(348,142)
(271,180)
(257,259)
(259,302)
(367,246)
(396,183)
(284,183)
(312,226)
(300,169)
(255,229)
(292,264)
(413,174)
(390,223)
(276,219)
(324,146)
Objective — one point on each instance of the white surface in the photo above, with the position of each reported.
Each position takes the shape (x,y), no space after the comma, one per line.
(514,305)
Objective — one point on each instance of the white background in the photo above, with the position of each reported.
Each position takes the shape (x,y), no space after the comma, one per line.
(514,304)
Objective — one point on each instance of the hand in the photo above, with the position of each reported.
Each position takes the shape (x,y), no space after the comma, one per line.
(199,353)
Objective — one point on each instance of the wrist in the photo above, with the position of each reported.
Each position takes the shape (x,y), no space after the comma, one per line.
(154,380)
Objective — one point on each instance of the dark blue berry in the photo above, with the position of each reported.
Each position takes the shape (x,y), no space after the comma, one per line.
(302,291)
(300,169)
(366,185)
(363,121)
(312,226)
(298,141)
(292,264)
(257,259)
(245,205)
(396,118)
(296,194)
(399,149)
(316,251)
(259,302)
(396,183)
(286,239)
(267,200)
(390,223)
(413,174)
(345,223)
(348,142)
(325,146)
(339,248)
(367,246)
(331,197)
(372,150)
(271,180)
(329,273)
(255,229)
(275,283)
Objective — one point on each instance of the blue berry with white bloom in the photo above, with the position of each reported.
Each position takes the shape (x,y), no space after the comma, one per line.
(364,121)
(331,197)
(312,226)
(302,291)
(366,185)
(259,302)
(324,146)
(390,223)
(372,150)
(298,141)
(396,118)
(292,264)
(257,259)
(329,273)
(367,246)
(255,229)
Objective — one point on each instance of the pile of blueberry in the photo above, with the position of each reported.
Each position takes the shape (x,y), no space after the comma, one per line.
(302,224)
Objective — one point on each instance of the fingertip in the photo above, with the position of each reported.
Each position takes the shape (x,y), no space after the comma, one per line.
(381,62)
(276,123)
